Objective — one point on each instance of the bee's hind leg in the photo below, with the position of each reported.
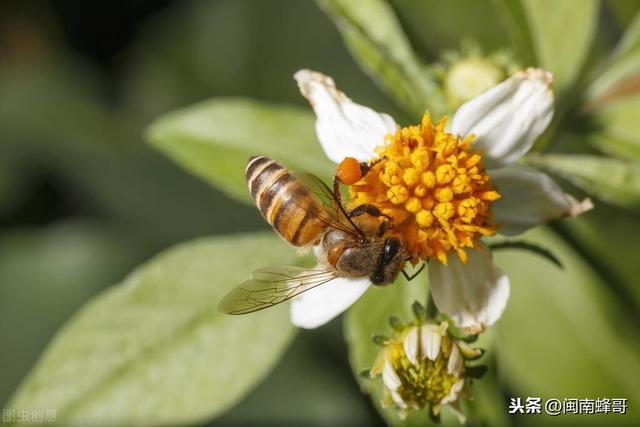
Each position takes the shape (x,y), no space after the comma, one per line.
(364,167)
(375,212)
(367,209)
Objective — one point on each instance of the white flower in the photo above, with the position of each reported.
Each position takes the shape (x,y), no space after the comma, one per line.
(502,123)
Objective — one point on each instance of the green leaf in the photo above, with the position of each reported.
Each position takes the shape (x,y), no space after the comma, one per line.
(611,180)
(604,235)
(623,64)
(374,36)
(623,11)
(619,128)
(309,387)
(436,25)
(514,19)
(488,405)
(214,140)
(562,49)
(154,350)
(67,264)
(560,336)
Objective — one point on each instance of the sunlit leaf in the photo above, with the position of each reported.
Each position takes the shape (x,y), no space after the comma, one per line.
(46,273)
(376,39)
(611,180)
(154,350)
(560,48)
(214,140)
(560,336)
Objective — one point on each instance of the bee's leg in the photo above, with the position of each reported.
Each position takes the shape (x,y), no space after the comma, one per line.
(375,212)
(366,167)
(337,194)
(368,209)
(384,226)
(410,278)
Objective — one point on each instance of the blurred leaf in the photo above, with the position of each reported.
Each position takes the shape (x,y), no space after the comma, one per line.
(195,50)
(562,49)
(376,39)
(604,233)
(13,180)
(55,124)
(623,10)
(154,350)
(309,387)
(623,64)
(619,131)
(514,19)
(436,25)
(370,316)
(214,140)
(45,275)
(611,180)
(488,404)
(560,336)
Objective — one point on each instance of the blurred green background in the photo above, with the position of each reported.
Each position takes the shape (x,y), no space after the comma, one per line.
(83,199)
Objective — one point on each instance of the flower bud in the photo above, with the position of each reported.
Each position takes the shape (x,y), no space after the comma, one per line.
(423,365)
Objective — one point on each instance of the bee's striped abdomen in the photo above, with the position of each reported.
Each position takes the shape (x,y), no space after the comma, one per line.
(284,201)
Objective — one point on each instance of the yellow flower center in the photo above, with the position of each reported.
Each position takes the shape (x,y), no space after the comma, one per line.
(434,188)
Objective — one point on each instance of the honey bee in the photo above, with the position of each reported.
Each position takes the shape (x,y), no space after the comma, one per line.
(305,212)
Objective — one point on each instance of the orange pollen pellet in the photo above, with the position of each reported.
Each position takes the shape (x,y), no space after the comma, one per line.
(349,171)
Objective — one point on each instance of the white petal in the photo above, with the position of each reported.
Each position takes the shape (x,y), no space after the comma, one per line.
(455,408)
(508,118)
(431,338)
(397,399)
(410,345)
(319,305)
(474,294)
(453,393)
(456,361)
(530,198)
(344,128)
(390,378)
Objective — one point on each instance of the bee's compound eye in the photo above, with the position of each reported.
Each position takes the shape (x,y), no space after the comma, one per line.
(391,248)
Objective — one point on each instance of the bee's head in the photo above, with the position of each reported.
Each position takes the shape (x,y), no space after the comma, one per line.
(390,262)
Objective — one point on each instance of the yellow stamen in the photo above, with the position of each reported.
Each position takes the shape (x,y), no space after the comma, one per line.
(433,186)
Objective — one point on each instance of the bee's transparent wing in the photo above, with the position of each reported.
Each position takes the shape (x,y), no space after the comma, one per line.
(333,213)
(269,286)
